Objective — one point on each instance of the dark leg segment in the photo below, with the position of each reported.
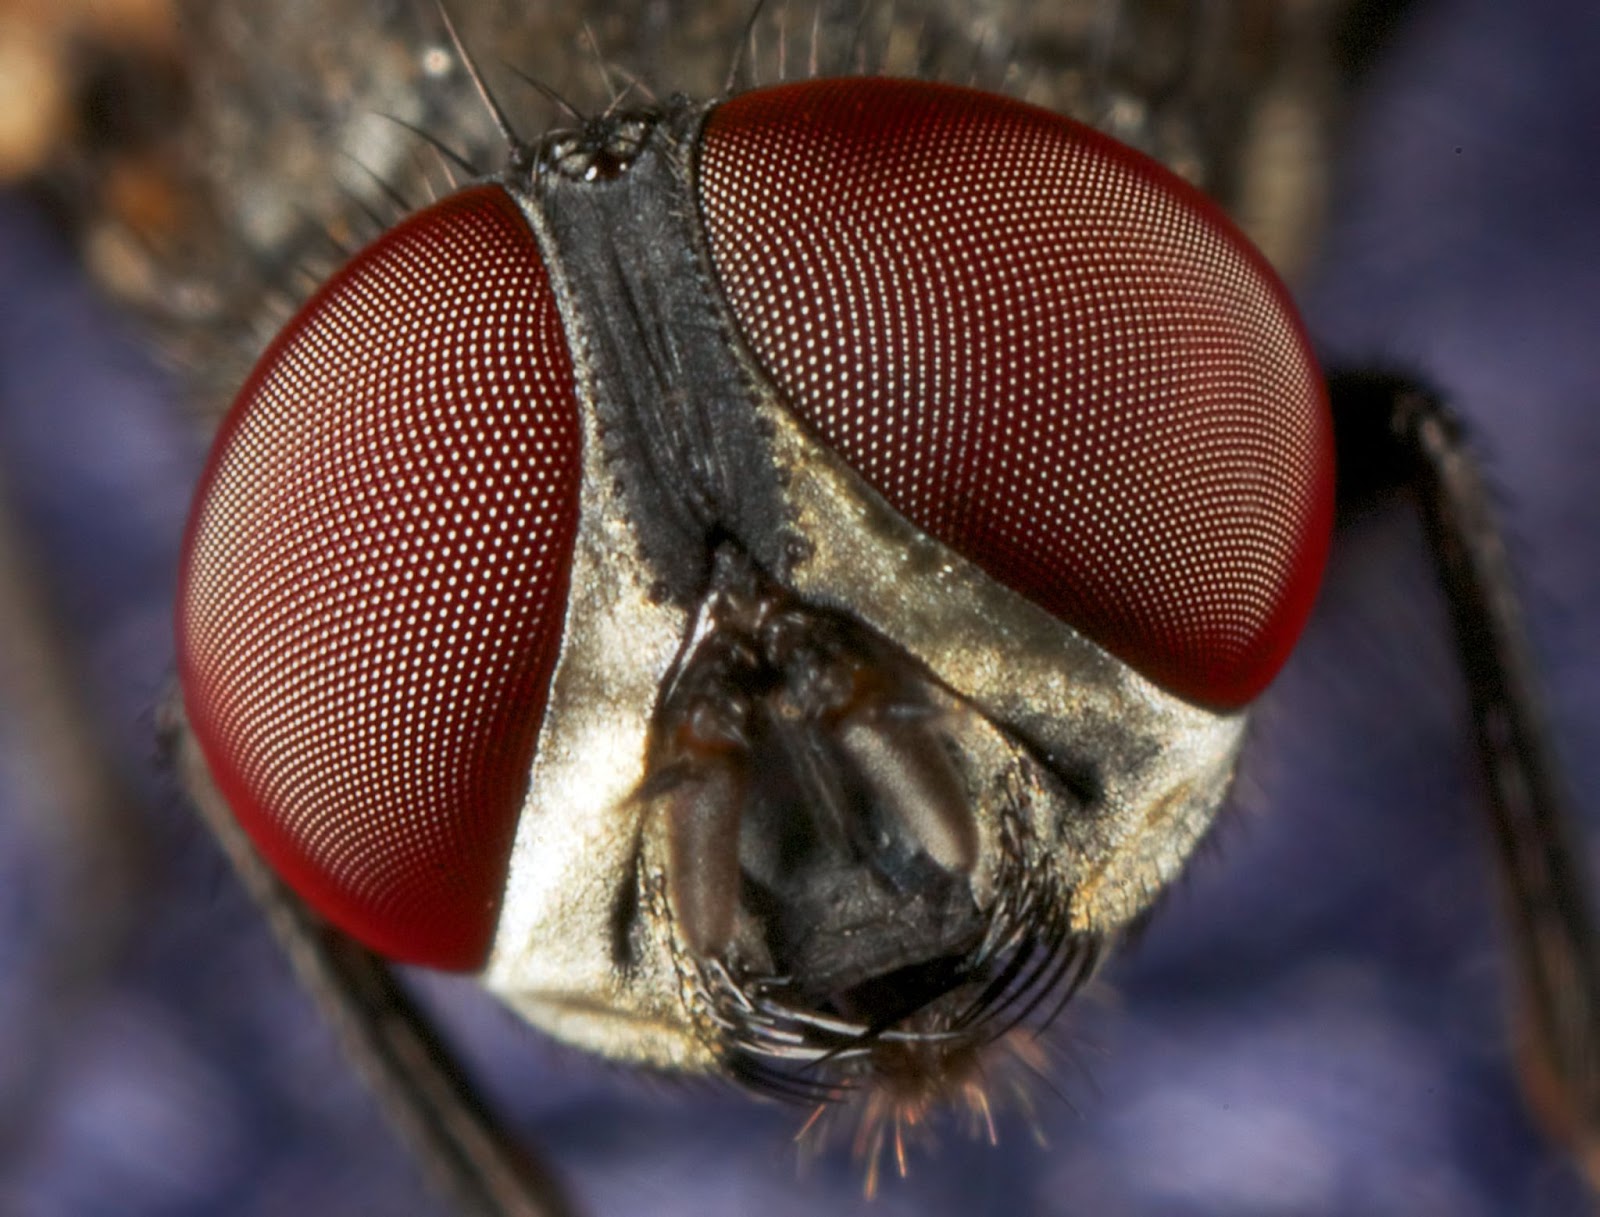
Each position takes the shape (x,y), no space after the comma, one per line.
(1395,434)
(423,1090)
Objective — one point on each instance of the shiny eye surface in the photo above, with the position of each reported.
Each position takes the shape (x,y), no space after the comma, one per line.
(1042,349)
(1039,347)
(375,573)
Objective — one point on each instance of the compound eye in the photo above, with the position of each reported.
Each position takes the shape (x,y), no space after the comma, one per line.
(1043,350)
(375,574)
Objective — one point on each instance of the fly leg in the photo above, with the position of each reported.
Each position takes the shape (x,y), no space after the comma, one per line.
(1395,434)
(424,1091)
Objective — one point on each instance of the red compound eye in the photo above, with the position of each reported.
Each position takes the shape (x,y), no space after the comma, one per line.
(1042,349)
(375,574)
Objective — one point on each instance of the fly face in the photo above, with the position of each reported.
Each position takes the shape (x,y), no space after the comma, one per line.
(783,700)
(770,582)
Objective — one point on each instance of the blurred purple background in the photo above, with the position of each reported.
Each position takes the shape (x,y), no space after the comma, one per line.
(1315,1026)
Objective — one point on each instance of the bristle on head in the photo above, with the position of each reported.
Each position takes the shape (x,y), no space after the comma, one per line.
(918,1091)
